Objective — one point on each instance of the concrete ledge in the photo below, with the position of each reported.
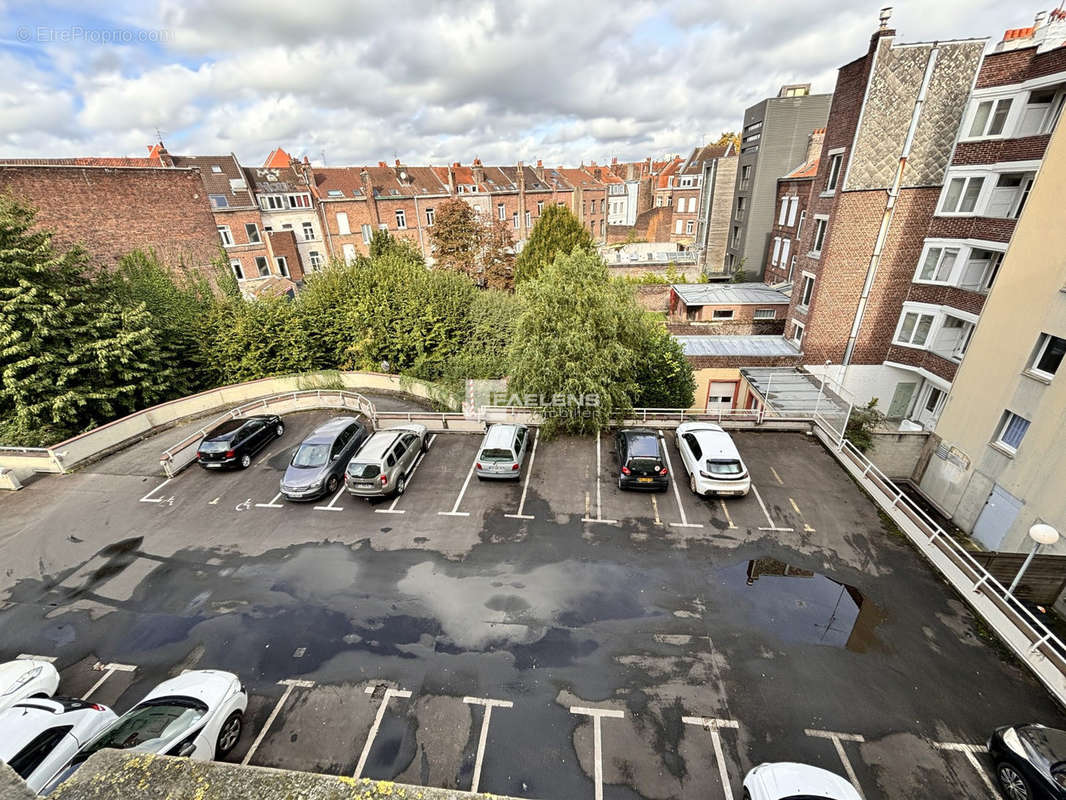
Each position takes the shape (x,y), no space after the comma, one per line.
(120,775)
(12,787)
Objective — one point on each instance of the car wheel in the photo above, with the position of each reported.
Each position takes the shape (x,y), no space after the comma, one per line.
(229,734)
(246,461)
(747,795)
(332,484)
(425,445)
(280,430)
(1013,784)
(401,484)
(692,485)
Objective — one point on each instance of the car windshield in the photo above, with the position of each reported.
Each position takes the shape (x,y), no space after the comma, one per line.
(311,455)
(724,467)
(496,454)
(216,446)
(149,726)
(363,470)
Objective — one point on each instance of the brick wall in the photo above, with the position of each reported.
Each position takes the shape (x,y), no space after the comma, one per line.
(768,327)
(1015,66)
(707,362)
(743,314)
(993,229)
(283,243)
(654,298)
(243,248)
(800,188)
(992,151)
(961,299)
(923,358)
(112,211)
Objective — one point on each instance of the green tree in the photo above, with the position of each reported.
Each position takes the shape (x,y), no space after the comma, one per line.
(456,235)
(497,256)
(662,373)
(557,231)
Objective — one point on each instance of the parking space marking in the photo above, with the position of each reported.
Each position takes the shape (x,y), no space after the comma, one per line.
(599,496)
(970,751)
(655,508)
(389,694)
(32,657)
(769,519)
(392,509)
(330,506)
(777,477)
(728,518)
(838,739)
(489,704)
(148,497)
(525,489)
(272,504)
(713,725)
(684,523)
(455,512)
(108,670)
(806,528)
(289,684)
(597,714)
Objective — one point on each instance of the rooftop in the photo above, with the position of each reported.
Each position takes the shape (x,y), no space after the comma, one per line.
(728,294)
(791,389)
(744,346)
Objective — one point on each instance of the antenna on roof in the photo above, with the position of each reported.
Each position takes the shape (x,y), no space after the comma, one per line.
(159,135)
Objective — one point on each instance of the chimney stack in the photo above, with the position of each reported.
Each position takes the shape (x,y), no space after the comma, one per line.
(539,170)
(478,171)
(885,16)
(1041,18)
(382,164)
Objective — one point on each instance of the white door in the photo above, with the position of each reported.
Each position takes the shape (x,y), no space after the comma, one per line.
(349,253)
(997,517)
(720,396)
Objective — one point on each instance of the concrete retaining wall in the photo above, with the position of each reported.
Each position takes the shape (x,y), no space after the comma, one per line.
(897,453)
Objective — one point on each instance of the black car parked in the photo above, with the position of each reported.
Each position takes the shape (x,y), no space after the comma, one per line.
(234,442)
(1030,761)
(641,461)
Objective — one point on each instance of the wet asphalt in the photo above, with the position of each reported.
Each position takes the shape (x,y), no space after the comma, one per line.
(829,622)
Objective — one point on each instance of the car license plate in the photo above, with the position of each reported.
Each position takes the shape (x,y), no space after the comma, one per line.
(212,466)
(364,484)
(643,480)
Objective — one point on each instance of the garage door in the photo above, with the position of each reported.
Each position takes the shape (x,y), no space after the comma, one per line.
(720,396)
(997,517)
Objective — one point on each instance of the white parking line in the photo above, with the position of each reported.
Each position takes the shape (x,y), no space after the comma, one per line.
(389,694)
(525,489)
(769,519)
(330,506)
(489,705)
(272,504)
(32,657)
(599,497)
(713,725)
(148,497)
(108,670)
(597,739)
(838,739)
(684,523)
(392,509)
(289,684)
(970,751)
(455,512)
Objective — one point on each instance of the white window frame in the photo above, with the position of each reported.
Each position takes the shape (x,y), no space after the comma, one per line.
(786,247)
(776,251)
(689,226)
(724,314)
(238,270)
(261,263)
(308,229)
(401,219)
(348,253)
(1042,343)
(344,228)
(799,225)
(966,249)
(806,291)
(431,216)
(939,315)
(791,268)
(824,219)
(793,204)
(782,214)
(272,202)
(799,327)
(298,200)
(679,226)
(315,259)
(764,313)
(691,205)
(951,254)
(529,219)
(1005,421)
(368,232)
(994,105)
(835,173)
(918,314)
(283,266)
(501,211)
(226,235)
(967,179)
(248,228)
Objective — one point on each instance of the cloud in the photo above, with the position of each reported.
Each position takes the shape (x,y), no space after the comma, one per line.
(549,79)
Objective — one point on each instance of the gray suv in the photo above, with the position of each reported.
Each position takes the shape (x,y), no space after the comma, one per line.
(384,462)
(317,466)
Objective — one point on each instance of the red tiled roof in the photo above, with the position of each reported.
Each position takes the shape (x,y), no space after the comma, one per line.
(1018,33)
(668,168)
(808,170)
(278,159)
(580,178)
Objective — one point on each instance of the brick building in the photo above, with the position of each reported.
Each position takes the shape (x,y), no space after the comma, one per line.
(792,201)
(287,202)
(733,308)
(663,184)
(589,200)
(885,153)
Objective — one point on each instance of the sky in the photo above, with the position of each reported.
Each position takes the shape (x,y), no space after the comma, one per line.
(349,82)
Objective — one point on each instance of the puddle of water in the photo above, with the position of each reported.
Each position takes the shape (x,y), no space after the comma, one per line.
(798,605)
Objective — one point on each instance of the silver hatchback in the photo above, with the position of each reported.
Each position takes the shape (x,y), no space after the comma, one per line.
(503,451)
(385,461)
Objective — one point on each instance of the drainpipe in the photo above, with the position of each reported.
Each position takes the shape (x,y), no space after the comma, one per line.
(890,210)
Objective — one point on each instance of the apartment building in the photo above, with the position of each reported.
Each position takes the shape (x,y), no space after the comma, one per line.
(773,140)
(286,201)
(589,200)
(685,185)
(790,213)
(717,181)
(1000,440)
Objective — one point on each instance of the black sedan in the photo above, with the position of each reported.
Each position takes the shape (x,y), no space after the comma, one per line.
(234,442)
(1030,762)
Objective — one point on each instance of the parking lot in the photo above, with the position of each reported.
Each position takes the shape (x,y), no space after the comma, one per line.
(484,635)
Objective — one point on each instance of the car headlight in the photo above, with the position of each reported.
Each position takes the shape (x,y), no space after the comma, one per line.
(1013,742)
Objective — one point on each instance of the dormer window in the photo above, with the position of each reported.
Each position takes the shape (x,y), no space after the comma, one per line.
(215,168)
(218,201)
(299,200)
(271,202)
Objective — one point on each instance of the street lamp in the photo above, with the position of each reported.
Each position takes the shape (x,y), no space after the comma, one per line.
(1041,534)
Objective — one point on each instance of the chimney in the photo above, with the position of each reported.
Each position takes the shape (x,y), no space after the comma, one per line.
(614,160)
(814,144)
(451,178)
(478,171)
(160,152)
(382,164)
(1041,18)
(882,30)
(539,170)
(521,173)
(884,17)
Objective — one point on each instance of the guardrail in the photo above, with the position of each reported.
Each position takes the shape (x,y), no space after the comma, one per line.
(1030,639)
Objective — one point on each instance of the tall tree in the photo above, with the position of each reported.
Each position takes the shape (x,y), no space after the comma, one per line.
(557,231)
(456,235)
(497,255)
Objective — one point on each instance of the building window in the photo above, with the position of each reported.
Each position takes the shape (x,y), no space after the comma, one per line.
(309,231)
(679,226)
(529,220)
(540,207)
(430,216)
(765,313)
(933,400)
(745,176)
(786,245)
(797,332)
(283,266)
(238,271)
(692,205)
(501,212)
(349,253)
(729,261)
(218,201)
(833,178)
(777,251)
(299,201)
(603,223)
(914,329)
(401,219)
(316,258)
(793,204)
(601,206)
(820,224)
(938,264)
(253,233)
(342,223)
(989,118)
(791,267)
(740,207)
(688,226)
(368,233)
(1011,431)
(514,220)
(271,202)
(803,218)
(262,266)
(808,290)
(735,239)
(960,195)
(722,313)
(782,215)
(1048,355)
(225,235)
(1009,196)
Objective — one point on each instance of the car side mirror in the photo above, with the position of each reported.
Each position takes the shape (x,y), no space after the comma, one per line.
(187,749)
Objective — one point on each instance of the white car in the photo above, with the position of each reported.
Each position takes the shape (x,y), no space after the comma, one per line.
(26,678)
(198,714)
(39,736)
(789,781)
(710,458)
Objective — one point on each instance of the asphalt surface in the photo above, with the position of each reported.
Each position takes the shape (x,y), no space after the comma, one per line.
(791,622)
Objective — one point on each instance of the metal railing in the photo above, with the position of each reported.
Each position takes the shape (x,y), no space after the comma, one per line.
(1042,643)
